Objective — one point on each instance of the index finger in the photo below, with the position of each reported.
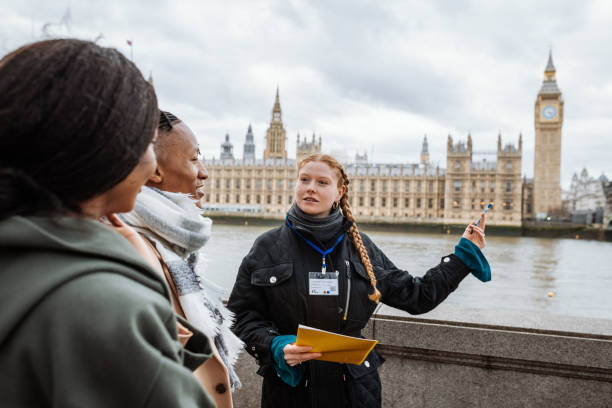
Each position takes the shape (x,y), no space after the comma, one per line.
(292,348)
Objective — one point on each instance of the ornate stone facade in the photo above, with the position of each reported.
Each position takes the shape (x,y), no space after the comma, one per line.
(276,136)
(548,119)
(410,192)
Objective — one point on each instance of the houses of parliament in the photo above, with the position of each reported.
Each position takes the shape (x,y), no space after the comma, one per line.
(405,192)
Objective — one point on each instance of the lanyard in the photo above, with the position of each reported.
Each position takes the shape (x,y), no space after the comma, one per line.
(314,246)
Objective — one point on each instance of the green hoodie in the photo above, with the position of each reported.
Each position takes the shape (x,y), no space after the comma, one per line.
(84,322)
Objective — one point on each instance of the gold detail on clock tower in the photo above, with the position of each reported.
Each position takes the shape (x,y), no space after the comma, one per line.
(548,119)
(276,134)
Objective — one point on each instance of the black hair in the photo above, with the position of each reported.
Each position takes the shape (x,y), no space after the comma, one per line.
(166,120)
(75,119)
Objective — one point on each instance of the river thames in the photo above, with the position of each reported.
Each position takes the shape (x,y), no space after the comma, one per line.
(524,269)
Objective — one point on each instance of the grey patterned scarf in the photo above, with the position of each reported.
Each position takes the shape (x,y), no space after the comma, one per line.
(175,226)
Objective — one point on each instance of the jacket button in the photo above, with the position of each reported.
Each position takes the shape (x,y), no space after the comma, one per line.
(447,259)
(272,279)
(367,364)
(253,348)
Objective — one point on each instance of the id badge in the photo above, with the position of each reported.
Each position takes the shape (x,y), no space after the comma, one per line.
(323,284)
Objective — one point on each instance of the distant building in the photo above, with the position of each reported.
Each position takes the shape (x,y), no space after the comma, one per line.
(227,149)
(276,135)
(548,119)
(305,148)
(425,152)
(249,145)
(414,192)
(586,199)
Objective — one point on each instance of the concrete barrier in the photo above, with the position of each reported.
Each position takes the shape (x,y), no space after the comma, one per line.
(475,358)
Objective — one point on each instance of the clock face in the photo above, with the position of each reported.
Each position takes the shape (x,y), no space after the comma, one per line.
(549,112)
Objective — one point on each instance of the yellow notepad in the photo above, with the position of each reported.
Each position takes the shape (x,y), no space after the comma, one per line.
(337,348)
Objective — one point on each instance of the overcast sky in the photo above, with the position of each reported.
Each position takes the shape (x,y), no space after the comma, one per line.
(373,76)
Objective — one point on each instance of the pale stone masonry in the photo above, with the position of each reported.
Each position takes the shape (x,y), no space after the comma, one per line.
(548,119)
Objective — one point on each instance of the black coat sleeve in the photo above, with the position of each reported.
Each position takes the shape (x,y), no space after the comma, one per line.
(412,294)
(252,316)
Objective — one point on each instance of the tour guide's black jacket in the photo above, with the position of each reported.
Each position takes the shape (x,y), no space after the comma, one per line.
(270,298)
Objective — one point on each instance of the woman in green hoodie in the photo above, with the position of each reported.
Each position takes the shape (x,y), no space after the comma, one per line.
(84,322)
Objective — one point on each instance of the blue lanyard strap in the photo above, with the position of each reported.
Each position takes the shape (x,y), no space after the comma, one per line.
(313,245)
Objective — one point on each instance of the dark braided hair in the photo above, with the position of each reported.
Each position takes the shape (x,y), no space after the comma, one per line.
(75,119)
(166,120)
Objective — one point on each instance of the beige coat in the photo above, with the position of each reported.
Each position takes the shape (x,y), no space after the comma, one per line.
(213,374)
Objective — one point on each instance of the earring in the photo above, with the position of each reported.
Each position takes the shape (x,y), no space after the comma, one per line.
(334,206)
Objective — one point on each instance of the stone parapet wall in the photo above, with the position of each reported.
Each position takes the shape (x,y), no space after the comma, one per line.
(476,358)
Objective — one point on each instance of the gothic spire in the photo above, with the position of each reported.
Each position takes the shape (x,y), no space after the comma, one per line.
(425,148)
(550,67)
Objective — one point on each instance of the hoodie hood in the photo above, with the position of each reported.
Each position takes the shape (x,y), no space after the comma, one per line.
(39,254)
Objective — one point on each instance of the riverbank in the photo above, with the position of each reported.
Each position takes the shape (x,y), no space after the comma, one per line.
(528,229)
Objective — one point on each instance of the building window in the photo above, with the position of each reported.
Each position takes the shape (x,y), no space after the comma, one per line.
(218,183)
(268,199)
(248,199)
(237,183)
(217,198)
(441,186)
(372,201)
(373,186)
(227,183)
(407,202)
(419,186)
(431,187)
(457,165)
(269,185)
(289,199)
(361,201)
(395,186)
(280,185)
(248,183)
(361,186)
(208,197)
(290,182)
(482,186)
(508,186)
(395,203)
(457,186)
(407,186)
(492,186)
(259,184)
(384,186)
(418,203)
(258,199)
(473,186)
(237,198)
(430,203)
(383,202)
(227,199)
(441,203)
(508,204)
(473,204)
(508,165)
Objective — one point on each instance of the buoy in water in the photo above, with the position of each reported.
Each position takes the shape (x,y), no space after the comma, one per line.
(551,294)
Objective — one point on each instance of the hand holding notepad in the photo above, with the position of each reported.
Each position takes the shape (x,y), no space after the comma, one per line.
(334,347)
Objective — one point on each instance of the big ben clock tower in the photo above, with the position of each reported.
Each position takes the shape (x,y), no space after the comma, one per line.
(547,161)
(276,134)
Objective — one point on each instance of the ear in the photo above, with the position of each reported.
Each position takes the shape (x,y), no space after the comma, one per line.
(341,192)
(157,177)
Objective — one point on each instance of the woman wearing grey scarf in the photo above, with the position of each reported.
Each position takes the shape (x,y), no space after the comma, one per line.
(174,232)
